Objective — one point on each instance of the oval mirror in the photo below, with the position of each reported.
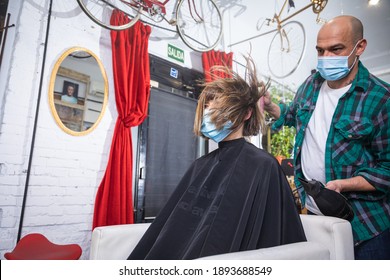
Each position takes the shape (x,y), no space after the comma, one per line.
(78,91)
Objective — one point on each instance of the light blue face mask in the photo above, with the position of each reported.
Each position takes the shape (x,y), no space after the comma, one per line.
(333,68)
(209,130)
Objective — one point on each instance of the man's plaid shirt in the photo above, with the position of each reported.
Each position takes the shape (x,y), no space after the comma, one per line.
(358,144)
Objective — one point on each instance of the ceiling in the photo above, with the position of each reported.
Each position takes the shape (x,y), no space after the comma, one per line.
(243,16)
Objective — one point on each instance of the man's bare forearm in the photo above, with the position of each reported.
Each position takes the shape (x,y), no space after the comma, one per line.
(357,183)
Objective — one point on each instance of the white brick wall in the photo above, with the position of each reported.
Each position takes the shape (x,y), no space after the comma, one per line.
(66,170)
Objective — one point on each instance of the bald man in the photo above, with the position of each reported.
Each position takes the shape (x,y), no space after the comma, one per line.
(342,117)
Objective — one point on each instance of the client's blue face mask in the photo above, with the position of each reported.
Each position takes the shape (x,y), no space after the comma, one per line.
(333,68)
(209,130)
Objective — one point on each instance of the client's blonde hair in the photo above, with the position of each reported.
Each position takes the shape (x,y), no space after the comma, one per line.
(233,99)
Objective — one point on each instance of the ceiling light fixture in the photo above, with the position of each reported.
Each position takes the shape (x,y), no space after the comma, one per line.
(373,2)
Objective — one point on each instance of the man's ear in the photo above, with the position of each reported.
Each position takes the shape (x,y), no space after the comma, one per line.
(361,47)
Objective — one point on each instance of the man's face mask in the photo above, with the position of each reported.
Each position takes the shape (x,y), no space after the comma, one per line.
(209,130)
(333,68)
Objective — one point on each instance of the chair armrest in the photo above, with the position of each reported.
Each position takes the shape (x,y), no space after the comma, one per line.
(293,251)
(331,232)
(327,237)
(115,242)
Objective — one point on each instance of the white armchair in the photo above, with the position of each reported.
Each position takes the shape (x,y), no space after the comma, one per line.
(327,238)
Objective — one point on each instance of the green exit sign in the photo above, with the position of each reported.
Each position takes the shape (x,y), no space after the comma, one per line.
(175,53)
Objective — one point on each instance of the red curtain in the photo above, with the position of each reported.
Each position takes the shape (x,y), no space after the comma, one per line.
(216,58)
(114,199)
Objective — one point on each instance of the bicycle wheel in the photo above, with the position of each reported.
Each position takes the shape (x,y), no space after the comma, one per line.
(99,11)
(286,49)
(199,24)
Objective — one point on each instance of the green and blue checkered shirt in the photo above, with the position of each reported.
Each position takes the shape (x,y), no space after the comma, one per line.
(358,144)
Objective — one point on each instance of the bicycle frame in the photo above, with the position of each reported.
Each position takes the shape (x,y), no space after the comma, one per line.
(279,22)
(278,17)
(198,22)
(153,7)
(150,5)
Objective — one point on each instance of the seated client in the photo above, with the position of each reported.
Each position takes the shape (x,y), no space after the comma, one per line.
(233,199)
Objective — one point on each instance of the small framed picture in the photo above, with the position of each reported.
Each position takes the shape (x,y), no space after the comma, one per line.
(70,89)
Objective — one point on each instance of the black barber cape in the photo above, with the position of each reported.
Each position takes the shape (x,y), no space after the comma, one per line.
(235,198)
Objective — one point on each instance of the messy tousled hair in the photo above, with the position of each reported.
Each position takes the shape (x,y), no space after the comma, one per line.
(233,99)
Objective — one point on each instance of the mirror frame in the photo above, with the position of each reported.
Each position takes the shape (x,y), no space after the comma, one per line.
(55,71)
